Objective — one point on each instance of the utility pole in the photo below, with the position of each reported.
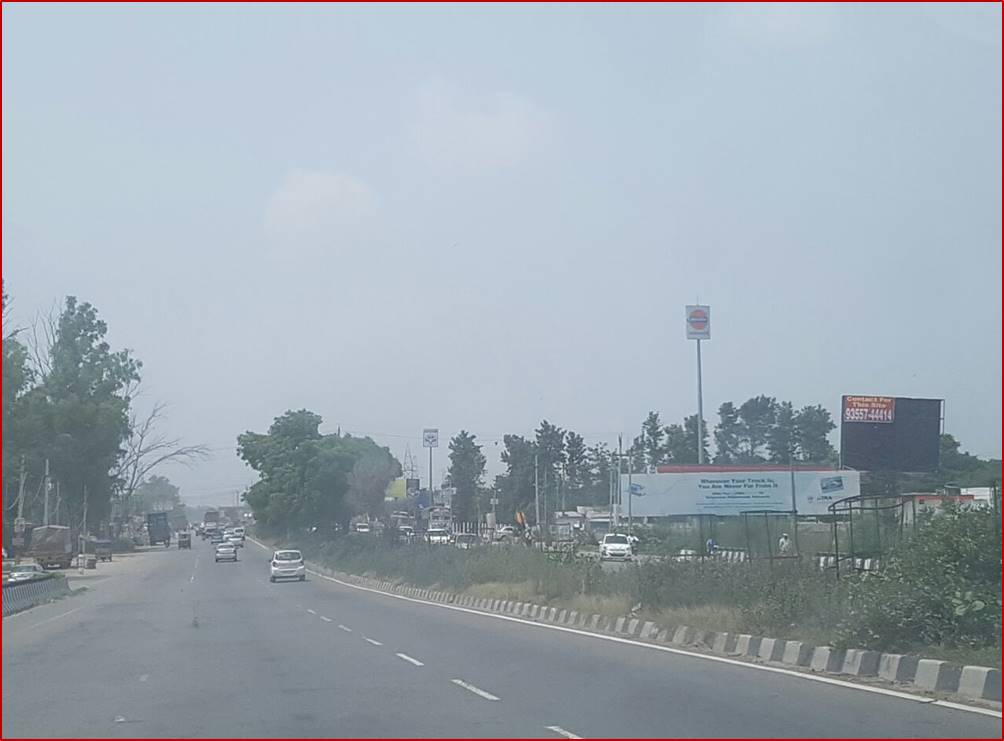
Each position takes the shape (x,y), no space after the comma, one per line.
(45,489)
(59,500)
(699,328)
(620,498)
(630,495)
(536,493)
(20,494)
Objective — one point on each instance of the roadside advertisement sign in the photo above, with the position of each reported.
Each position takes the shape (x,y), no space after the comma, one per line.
(430,437)
(698,322)
(880,409)
(718,490)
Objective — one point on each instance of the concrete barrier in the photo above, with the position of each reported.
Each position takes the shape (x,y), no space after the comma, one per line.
(980,682)
(18,597)
(747,645)
(632,626)
(648,630)
(683,635)
(937,675)
(771,649)
(723,643)
(797,653)
(861,663)
(897,667)
(619,625)
(826,659)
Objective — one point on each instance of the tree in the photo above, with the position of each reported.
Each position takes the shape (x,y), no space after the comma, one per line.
(652,437)
(678,447)
(550,457)
(756,417)
(813,425)
(727,433)
(17,377)
(782,441)
(306,478)
(156,494)
(601,462)
(146,449)
(576,468)
(515,487)
(80,409)
(467,467)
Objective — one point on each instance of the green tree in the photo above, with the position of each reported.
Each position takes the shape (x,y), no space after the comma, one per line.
(515,486)
(653,440)
(576,468)
(782,442)
(156,494)
(727,434)
(550,443)
(80,410)
(467,468)
(679,449)
(756,418)
(17,377)
(813,425)
(600,462)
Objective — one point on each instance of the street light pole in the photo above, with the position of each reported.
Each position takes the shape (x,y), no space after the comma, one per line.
(700,409)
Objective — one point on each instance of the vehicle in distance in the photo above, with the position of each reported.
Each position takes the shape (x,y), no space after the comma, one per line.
(438,536)
(52,547)
(466,541)
(25,572)
(158,528)
(226,552)
(615,546)
(506,531)
(216,536)
(363,527)
(236,540)
(287,565)
(686,554)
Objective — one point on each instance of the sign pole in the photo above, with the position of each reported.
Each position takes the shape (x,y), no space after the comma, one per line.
(700,409)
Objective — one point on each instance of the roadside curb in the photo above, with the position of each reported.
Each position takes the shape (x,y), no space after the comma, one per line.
(929,675)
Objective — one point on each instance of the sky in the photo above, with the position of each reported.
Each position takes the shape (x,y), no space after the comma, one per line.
(479,217)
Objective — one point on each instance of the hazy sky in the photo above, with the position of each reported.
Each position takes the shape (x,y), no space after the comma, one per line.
(479,217)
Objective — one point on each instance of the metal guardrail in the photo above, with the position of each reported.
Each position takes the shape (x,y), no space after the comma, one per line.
(22,595)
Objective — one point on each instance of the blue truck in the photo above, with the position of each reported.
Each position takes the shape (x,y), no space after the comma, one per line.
(158,529)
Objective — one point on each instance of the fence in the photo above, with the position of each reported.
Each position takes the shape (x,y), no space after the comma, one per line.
(22,595)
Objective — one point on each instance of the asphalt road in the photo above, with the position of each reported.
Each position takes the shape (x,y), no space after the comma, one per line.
(170,643)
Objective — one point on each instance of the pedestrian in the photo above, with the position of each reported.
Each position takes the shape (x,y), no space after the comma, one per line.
(710,546)
(784,544)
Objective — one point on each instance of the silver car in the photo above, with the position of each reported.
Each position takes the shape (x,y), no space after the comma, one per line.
(287,565)
(226,552)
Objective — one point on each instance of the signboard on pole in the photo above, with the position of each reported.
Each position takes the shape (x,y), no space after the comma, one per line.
(884,433)
(430,437)
(698,322)
(721,490)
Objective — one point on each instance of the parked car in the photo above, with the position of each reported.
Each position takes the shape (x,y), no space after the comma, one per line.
(363,527)
(24,572)
(506,531)
(438,536)
(615,546)
(226,552)
(287,565)
(466,541)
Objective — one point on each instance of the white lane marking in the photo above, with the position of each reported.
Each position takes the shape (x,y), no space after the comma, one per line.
(370,640)
(667,649)
(143,677)
(562,732)
(54,617)
(410,660)
(312,612)
(346,628)
(475,690)
(194,567)
(325,618)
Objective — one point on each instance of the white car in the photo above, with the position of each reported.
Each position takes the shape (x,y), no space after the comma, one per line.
(506,531)
(363,527)
(226,552)
(236,540)
(615,546)
(25,572)
(287,565)
(438,536)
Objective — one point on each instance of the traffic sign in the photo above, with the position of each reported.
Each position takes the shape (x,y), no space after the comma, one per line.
(430,437)
(698,322)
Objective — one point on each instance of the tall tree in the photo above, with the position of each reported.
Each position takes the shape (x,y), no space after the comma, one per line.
(467,468)
(515,487)
(550,441)
(653,439)
(812,425)
(678,446)
(601,461)
(156,494)
(756,417)
(17,377)
(727,434)
(576,468)
(782,438)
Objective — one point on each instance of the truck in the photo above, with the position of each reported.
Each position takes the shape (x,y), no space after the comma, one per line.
(158,529)
(52,546)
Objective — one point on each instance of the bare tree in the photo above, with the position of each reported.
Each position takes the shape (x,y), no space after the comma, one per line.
(146,449)
(44,330)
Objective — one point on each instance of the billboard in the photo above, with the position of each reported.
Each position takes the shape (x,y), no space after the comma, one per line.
(884,433)
(724,490)
(698,322)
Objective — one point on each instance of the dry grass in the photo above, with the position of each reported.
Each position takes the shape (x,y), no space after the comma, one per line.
(523,591)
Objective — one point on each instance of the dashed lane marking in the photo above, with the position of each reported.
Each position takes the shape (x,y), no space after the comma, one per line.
(477,691)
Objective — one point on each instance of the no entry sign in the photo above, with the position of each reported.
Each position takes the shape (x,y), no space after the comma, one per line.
(698,322)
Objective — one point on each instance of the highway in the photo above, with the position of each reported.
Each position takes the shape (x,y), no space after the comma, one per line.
(170,643)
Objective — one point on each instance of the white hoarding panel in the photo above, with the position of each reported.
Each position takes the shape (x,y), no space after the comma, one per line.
(734,492)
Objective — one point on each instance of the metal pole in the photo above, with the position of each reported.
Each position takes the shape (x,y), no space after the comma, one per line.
(430,475)
(620,457)
(700,410)
(536,494)
(630,495)
(794,509)
(20,493)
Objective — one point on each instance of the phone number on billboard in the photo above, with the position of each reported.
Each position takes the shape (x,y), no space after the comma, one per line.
(868,415)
